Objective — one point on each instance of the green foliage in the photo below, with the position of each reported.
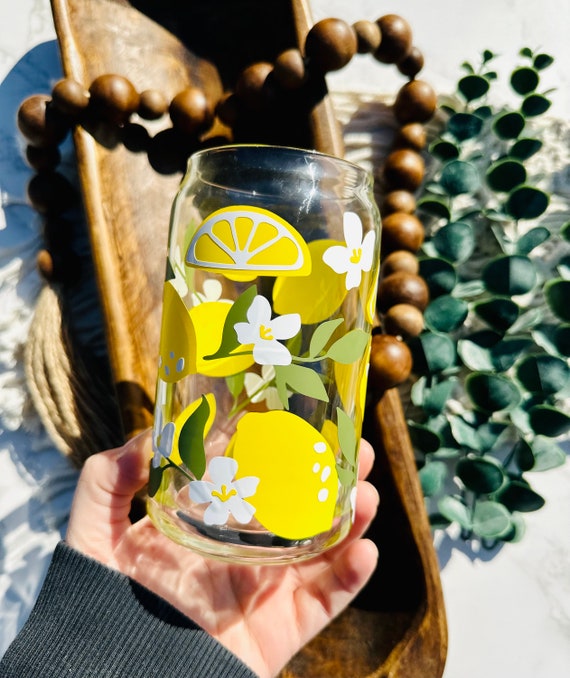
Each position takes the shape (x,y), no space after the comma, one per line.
(492,364)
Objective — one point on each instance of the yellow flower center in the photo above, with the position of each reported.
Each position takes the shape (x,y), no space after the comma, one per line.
(356,254)
(265,333)
(224,495)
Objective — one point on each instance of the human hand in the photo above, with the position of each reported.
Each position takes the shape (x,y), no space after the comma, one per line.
(263,614)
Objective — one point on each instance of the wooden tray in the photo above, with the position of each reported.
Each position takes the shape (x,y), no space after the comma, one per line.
(397,627)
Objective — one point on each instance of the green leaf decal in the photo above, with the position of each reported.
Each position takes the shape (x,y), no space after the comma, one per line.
(300,379)
(191,440)
(322,335)
(237,313)
(346,477)
(346,436)
(154,479)
(349,348)
(235,384)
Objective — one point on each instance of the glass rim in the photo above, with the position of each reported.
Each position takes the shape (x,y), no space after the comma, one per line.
(349,164)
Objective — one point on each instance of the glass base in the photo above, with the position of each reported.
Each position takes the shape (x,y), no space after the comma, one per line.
(241,545)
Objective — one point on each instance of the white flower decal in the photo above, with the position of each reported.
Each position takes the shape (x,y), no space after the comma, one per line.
(225,495)
(257,389)
(263,332)
(211,291)
(356,256)
(162,439)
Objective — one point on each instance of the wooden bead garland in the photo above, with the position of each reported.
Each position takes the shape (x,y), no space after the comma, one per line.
(330,45)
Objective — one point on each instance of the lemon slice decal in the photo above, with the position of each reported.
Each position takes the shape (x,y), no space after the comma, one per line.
(243,242)
(298,480)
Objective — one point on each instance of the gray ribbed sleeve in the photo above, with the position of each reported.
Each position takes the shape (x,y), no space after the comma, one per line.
(92,622)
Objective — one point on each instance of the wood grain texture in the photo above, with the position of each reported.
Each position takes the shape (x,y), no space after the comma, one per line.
(397,627)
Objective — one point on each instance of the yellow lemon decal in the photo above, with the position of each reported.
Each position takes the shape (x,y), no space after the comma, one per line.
(243,242)
(315,297)
(208,320)
(177,338)
(298,481)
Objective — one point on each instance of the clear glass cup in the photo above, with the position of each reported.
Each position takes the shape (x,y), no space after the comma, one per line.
(269,299)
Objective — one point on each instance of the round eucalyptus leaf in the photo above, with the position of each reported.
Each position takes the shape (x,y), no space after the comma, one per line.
(435,398)
(504,175)
(479,474)
(435,207)
(548,421)
(535,104)
(473,87)
(432,353)
(509,275)
(464,126)
(432,477)
(517,531)
(547,454)
(445,313)
(444,150)
(455,241)
(491,392)
(505,353)
(527,202)
(542,61)
(525,148)
(438,521)
(508,125)
(491,520)
(562,340)
(563,267)
(557,293)
(458,177)
(565,231)
(543,374)
(532,239)
(439,275)
(489,433)
(423,438)
(499,313)
(483,112)
(455,511)
(523,455)
(518,496)
(464,434)
(475,350)
(524,80)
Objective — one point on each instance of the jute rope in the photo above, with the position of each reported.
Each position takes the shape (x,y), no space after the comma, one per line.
(72,401)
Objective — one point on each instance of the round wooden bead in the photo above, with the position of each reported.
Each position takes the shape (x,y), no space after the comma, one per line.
(399,260)
(390,362)
(402,288)
(330,45)
(404,169)
(40,123)
(413,135)
(227,109)
(152,104)
(289,69)
(401,231)
(396,39)
(403,320)
(415,102)
(70,97)
(251,83)
(190,111)
(44,262)
(51,193)
(398,201)
(113,97)
(42,159)
(368,36)
(412,63)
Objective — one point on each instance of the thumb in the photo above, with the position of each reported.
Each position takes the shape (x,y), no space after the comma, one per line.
(105,490)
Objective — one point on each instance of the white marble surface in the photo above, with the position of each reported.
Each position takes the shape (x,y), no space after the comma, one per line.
(508,611)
